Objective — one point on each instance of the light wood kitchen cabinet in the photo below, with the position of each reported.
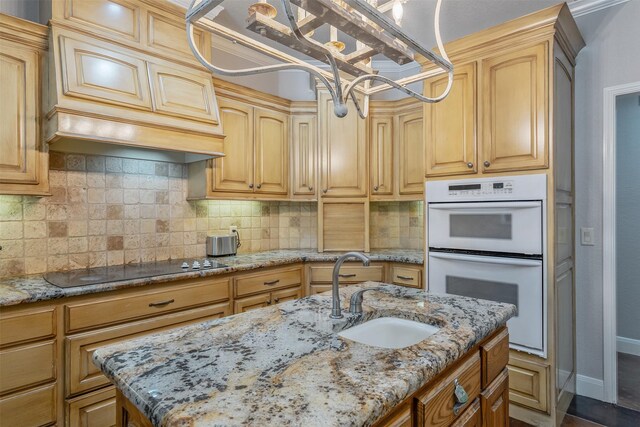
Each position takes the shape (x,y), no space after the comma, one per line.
(495,401)
(24,163)
(97,409)
(256,161)
(257,290)
(450,126)
(382,158)
(405,275)
(411,153)
(304,155)
(343,151)
(472,416)
(271,151)
(243,305)
(514,110)
(33,407)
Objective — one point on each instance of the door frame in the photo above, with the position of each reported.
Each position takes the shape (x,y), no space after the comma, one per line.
(609,237)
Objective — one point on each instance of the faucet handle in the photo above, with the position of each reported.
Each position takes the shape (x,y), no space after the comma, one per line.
(355,304)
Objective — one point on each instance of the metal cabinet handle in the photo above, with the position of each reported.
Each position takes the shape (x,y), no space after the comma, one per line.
(259,186)
(470,165)
(250,185)
(460,395)
(277,300)
(269,302)
(346,276)
(324,190)
(405,278)
(272,282)
(310,188)
(487,163)
(161,303)
(375,188)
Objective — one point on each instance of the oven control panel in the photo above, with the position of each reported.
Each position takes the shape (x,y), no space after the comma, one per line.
(481,188)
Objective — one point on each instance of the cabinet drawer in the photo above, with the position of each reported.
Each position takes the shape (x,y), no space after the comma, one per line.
(23,327)
(266,282)
(437,406)
(472,416)
(26,366)
(285,295)
(96,409)
(318,289)
(495,355)
(406,276)
(82,375)
(35,407)
(348,274)
(117,309)
(528,383)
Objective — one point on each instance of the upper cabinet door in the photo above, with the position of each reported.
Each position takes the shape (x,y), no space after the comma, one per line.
(514,109)
(411,152)
(103,72)
(272,151)
(343,150)
(450,128)
(19,111)
(234,171)
(183,93)
(118,17)
(381,137)
(303,155)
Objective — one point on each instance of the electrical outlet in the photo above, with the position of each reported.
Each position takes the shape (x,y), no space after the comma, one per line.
(587,237)
(233,229)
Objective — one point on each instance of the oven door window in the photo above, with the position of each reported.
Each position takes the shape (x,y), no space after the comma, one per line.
(483,289)
(481,226)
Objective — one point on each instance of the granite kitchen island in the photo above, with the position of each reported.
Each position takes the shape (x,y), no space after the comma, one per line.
(286,365)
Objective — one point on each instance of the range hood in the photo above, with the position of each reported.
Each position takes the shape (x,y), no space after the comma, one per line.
(143,96)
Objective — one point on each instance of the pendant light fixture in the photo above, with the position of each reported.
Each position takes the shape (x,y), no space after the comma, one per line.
(350,73)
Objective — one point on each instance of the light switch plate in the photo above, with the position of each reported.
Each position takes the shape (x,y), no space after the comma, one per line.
(587,237)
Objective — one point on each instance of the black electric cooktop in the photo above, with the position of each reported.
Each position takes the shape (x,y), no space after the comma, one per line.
(117,273)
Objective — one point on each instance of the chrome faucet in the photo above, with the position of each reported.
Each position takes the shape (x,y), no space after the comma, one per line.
(355,305)
(336,311)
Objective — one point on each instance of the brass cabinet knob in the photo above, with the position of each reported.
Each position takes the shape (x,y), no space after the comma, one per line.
(259,186)
(470,165)
(310,188)
(250,185)
(276,300)
(375,188)
(324,190)
(487,163)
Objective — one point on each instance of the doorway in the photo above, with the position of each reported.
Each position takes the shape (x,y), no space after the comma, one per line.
(621,245)
(628,249)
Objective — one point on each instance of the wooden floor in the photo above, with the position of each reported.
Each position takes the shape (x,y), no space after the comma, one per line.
(629,381)
(569,421)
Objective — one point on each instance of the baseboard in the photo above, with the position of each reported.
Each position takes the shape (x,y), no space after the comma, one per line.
(590,387)
(628,345)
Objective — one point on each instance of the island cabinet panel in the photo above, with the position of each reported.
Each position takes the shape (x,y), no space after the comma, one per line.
(514,110)
(130,306)
(402,416)
(450,125)
(495,402)
(437,407)
(128,415)
(35,407)
(97,409)
(472,416)
(495,356)
(82,375)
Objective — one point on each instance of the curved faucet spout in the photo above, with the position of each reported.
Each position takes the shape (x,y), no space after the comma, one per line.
(336,311)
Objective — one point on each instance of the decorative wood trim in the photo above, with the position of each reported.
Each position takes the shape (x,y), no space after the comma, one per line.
(24,32)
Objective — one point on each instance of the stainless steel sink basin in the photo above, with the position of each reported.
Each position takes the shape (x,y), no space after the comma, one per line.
(389,332)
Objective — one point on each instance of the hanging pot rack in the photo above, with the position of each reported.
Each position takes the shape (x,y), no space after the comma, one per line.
(376,33)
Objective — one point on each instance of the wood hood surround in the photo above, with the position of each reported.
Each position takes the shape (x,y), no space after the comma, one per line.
(121,72)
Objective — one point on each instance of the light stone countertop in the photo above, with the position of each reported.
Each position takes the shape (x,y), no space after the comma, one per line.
(285,365)
(26,289)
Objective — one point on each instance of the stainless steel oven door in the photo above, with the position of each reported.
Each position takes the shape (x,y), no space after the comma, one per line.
(511,280)
(511,227)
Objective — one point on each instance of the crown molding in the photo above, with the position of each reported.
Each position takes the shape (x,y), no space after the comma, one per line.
(584,7)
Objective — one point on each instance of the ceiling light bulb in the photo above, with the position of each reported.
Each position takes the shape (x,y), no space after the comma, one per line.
(397,11)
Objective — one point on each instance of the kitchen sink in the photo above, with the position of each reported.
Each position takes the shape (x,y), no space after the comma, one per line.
(389,332)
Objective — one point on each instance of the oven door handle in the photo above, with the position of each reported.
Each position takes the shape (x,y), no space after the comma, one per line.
(487,259)
(480,205)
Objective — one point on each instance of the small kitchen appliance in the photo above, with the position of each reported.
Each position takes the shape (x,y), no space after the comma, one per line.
(486,239)
(222,245)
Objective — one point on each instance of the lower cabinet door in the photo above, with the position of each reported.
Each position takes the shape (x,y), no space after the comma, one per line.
(472,417)
(495,402)
(251,303)
(34,407)
(97,409)
(286,295)
(318,288)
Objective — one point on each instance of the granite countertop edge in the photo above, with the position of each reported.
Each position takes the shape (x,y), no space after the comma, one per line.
(335,381)
(34,288)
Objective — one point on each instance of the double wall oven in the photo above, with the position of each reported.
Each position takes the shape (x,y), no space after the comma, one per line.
(486,239)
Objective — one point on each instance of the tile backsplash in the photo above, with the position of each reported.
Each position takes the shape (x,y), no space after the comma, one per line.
(109,211)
